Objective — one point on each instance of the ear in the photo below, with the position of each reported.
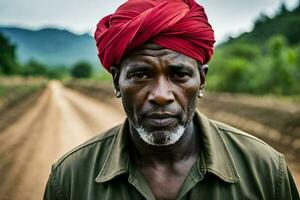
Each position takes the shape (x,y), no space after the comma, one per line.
(203,73)
(115,72)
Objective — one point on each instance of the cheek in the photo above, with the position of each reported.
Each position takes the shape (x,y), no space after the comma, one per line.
(132,98)
(188,94)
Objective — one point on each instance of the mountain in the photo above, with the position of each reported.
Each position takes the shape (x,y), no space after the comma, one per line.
(285,23)
(52,46)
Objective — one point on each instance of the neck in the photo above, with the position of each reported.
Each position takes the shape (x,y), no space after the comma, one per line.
(186,147)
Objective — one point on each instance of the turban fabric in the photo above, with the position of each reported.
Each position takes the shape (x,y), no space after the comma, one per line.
(179,25)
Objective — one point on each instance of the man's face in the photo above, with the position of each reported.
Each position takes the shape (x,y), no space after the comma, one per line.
(159,89)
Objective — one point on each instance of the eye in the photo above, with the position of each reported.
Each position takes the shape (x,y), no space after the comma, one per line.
(139,76)
(181,75)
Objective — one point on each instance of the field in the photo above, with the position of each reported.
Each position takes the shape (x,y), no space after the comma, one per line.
(14,90)
(53,119)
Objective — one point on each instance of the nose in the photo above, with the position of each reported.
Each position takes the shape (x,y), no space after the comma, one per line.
(161,92)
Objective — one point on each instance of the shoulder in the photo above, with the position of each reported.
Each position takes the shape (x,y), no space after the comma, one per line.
(77,169)
(258,163)
(93,150)
(249,149)
(234,135)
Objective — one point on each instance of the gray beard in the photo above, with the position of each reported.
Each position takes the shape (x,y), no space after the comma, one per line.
(161,138)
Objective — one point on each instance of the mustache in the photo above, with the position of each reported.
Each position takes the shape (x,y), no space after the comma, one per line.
(160,113)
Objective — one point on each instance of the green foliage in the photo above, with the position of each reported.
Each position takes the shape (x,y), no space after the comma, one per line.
(81,70)
(102,76)
(283,10)
(276,45)
(58,72)
(273,68)
(236,75)
(35,68)
(245,51)
(263,61)
(8,64)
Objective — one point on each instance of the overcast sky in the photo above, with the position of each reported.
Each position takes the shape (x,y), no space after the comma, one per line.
(228,18)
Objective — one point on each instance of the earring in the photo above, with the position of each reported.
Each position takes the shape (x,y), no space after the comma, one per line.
(200,94)
(117,93)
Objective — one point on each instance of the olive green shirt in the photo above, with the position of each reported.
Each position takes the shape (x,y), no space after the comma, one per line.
(233,165)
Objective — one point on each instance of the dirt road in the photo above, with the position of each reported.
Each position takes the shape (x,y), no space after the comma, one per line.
(60,120)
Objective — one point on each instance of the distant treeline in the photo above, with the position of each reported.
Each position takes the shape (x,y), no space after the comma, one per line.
(284,23)
(258,69)
(263,61)
(9,65)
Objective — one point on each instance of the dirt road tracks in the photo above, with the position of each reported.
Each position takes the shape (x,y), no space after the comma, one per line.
(60,120)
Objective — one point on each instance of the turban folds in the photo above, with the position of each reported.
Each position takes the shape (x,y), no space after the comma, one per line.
(179,25)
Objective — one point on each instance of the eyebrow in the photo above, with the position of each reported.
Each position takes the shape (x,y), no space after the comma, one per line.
(181,66)
(138,67)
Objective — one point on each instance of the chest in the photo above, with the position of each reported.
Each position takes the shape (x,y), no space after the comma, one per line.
(165,186)
(165,182)
(208,187)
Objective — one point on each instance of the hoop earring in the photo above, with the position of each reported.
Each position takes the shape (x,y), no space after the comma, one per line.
(200,94)
(117,93)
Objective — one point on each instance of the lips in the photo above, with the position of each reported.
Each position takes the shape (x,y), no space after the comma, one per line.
(161,120)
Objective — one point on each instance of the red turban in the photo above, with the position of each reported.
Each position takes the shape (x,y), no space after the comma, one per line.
(180,25)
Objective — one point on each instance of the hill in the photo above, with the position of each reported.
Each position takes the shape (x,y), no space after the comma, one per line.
(52,46)
(285,23)
(263,61)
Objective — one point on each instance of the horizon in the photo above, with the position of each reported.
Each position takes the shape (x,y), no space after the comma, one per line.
(45,28)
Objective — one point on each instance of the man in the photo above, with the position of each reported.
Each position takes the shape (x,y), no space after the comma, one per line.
(156,51)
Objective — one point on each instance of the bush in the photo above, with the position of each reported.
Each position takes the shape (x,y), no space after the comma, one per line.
(81,70)
(34,68)
(272,67)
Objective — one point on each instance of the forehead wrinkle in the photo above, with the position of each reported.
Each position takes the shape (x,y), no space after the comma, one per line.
(183,60)
(154,55)
(133,63)
(158,56)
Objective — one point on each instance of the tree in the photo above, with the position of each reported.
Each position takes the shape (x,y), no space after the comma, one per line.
(283,9)
(298,7)
(8,63)
(34,68)
(81,70)
(243,50)
(234,76)
(280,79)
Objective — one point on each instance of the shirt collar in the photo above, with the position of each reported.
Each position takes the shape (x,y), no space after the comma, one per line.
(117,159)
(217,158)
